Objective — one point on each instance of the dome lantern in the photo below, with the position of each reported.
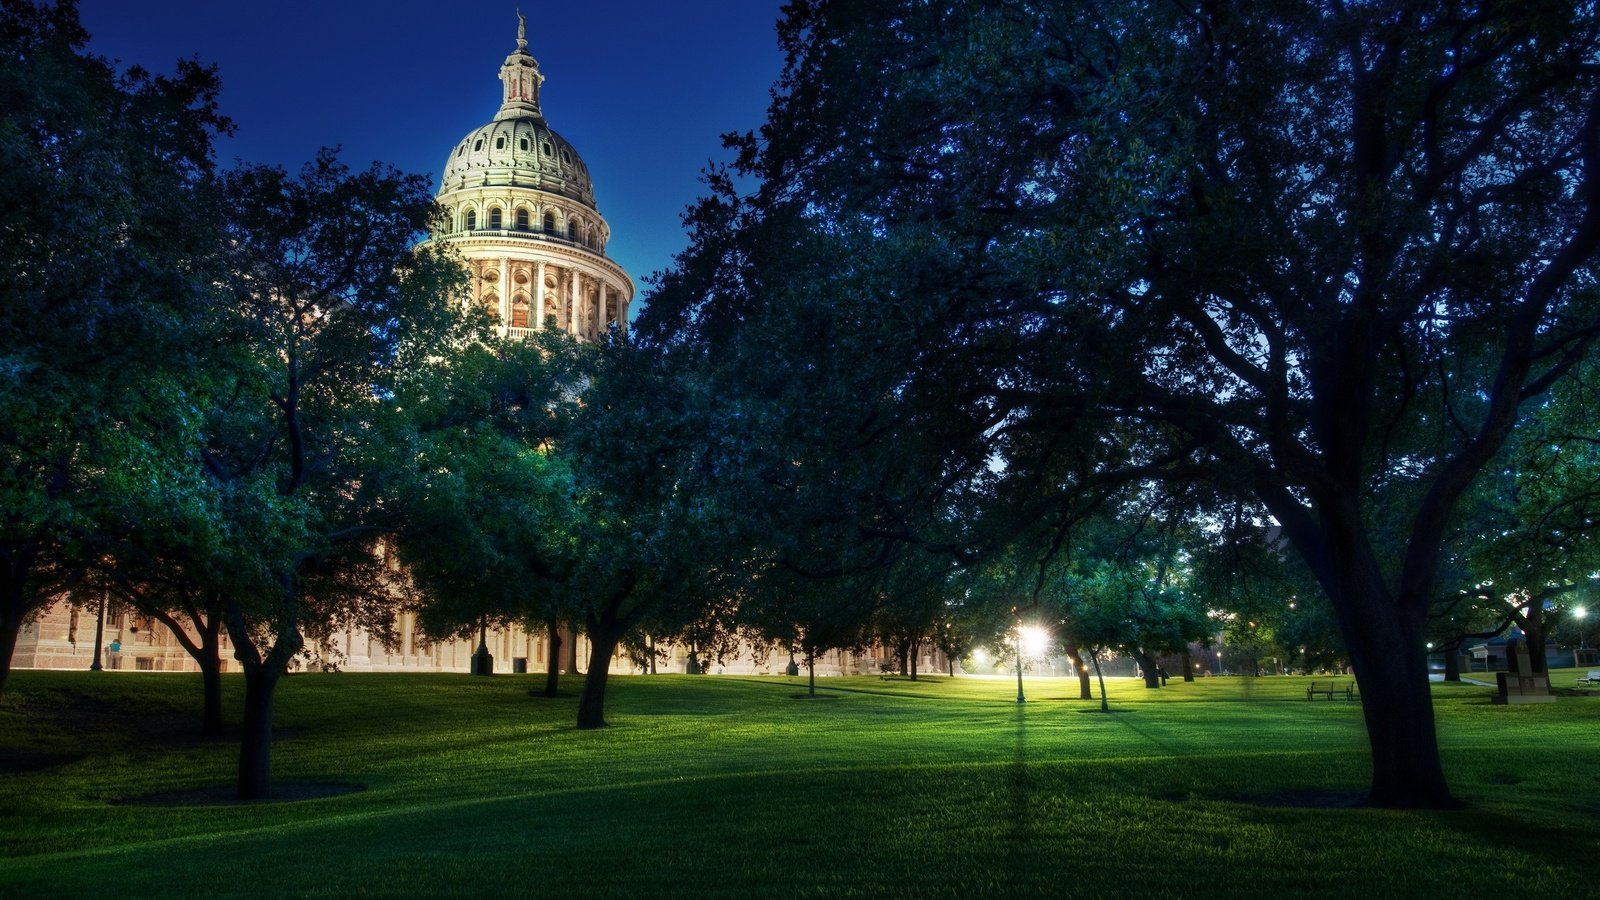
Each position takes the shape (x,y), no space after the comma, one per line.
(521,79)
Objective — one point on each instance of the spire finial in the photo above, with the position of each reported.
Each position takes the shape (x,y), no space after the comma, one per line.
(520,75)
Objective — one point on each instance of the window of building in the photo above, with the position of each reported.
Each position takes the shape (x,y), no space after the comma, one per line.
(494,218)
(549,223)
(477,145)
(500,143)
(546,147)
(524,145)
(572,230)
(566,157)
(522,219)
(472,219)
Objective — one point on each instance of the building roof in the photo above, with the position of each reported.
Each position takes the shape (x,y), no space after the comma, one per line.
(518,147)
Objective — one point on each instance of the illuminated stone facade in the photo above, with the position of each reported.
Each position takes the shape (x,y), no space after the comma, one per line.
(520,210)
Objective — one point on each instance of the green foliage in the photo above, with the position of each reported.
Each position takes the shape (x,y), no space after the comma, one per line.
(110,257)
(490,531)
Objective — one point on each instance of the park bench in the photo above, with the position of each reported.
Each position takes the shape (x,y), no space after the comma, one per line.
(888,670)
(1592,678)
(1330,690)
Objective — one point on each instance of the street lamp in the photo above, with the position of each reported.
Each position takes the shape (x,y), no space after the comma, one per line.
(1034,641)
(1218,670)
(1580,614)
(1020,698)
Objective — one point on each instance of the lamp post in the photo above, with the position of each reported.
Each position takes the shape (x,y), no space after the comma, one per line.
(1580,614)
(1020,698)
(1218,670)
(482,660)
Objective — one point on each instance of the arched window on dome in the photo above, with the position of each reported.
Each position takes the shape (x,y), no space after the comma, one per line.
(549,222)
(524,144)
(572,229)
(522,218)
(500,142)
(494,219)
(477,145)
(519,311)
(471,219)
(546,147)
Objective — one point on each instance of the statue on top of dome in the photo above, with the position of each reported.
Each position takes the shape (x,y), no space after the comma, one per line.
(522,31)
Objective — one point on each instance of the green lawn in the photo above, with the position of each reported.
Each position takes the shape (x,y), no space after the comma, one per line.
(736,787)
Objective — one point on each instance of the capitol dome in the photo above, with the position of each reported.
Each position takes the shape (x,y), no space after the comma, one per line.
(522,151)
(520,210)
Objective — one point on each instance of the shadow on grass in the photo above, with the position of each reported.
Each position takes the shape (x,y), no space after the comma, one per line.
(1302,798)
(17,762)
(224,794)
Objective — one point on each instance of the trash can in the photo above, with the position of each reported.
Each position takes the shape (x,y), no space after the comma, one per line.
(519,665)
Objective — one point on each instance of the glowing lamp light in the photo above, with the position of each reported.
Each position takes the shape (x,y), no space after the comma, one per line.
(1035,640)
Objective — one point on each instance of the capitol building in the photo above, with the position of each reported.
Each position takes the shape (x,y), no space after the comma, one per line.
(520,212)
(520,209)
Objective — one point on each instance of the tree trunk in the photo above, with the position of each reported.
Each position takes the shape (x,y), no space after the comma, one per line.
(10,629)
(1147,666)
(255,746)
(1452,662)
(916,648)
(1188,666)
(552,664)
(211,684)
(1390,660)
(811,672)
(592,702)
(1095,656)
(206,653)
(1085,690)
(1384,635)
(210,661)
(571,652)
(261,674)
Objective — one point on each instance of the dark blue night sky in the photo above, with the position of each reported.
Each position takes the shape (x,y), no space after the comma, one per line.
(643,89)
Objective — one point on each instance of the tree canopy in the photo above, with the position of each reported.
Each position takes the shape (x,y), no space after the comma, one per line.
(1311,255)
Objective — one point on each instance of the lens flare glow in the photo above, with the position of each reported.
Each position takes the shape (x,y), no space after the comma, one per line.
(1035,640)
